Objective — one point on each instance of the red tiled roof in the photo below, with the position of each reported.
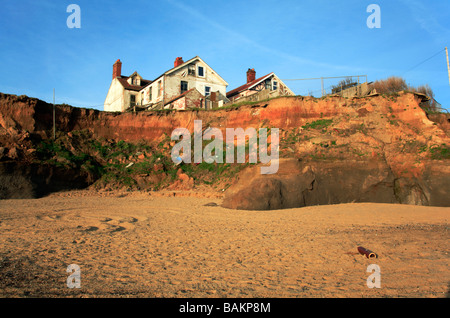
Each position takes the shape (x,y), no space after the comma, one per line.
(124,81)
(179,96)
(246,86)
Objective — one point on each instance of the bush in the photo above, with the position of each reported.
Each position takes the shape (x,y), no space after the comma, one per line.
(430,105)
(396,84)
(390,85)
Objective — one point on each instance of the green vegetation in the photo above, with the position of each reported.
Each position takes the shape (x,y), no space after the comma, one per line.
(439,152)
(361,128)
(390,87)
(249,103)
(393,122)
(243,103)
(122,164)
(57,154)
(318,124)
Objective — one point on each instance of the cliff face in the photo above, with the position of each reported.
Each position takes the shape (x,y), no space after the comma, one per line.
(408,152)
(35,116)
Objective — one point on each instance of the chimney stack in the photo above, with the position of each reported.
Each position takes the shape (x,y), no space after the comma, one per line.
(178,61)
(251,75)
(117,69)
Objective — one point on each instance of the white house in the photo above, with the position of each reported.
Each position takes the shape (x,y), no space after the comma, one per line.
(255,89)
(124,90)
(128,92)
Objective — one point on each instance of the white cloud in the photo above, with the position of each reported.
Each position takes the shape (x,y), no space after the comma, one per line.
(426,20)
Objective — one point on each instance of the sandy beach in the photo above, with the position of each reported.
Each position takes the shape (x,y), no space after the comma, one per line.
(143,245)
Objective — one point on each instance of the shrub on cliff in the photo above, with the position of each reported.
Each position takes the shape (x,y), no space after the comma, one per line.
(390,85)
(396,84)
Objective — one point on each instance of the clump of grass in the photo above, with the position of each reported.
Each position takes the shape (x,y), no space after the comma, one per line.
(318,124)
(53,152)
(440,152)
(239,104)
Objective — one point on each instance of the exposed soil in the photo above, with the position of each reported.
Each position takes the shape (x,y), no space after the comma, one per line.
(382,148)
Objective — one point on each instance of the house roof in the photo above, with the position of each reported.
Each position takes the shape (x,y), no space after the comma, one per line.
(180,96)
(135,73)
(124,81)
(248,85)
(186,63)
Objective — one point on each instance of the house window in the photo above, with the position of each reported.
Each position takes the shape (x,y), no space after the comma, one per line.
(159,88)
(184,86)
(275,85)
(142,98)
(150,97)
(132,100)
(191,70)
(201,71)
(207,90)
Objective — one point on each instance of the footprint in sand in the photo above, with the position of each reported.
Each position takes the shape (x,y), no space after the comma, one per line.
(128,220)
(50,218)
(211,204)
(113,225)
(91,229)
(100,228)
(117,229)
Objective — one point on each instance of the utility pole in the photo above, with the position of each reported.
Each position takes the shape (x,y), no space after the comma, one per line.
(321,79)
(54,121)
(448,65)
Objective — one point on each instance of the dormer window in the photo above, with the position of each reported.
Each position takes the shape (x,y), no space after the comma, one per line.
(134,80)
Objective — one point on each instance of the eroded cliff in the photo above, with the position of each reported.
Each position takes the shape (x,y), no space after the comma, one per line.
(378,149)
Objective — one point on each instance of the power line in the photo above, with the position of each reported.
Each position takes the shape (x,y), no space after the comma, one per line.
(423,62)
(318,78)
(54,120)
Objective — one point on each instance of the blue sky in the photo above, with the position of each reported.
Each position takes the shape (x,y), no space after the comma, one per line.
(295,39)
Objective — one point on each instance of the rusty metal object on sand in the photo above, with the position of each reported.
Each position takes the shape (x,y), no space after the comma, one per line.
(368,253)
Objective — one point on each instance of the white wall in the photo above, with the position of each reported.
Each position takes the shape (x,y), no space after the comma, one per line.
(172,87)
(154,87)
(115,98)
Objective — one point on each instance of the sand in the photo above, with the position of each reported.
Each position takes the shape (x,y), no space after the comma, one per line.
(146,245)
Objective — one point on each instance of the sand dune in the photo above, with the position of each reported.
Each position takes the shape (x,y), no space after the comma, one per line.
(142,245)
